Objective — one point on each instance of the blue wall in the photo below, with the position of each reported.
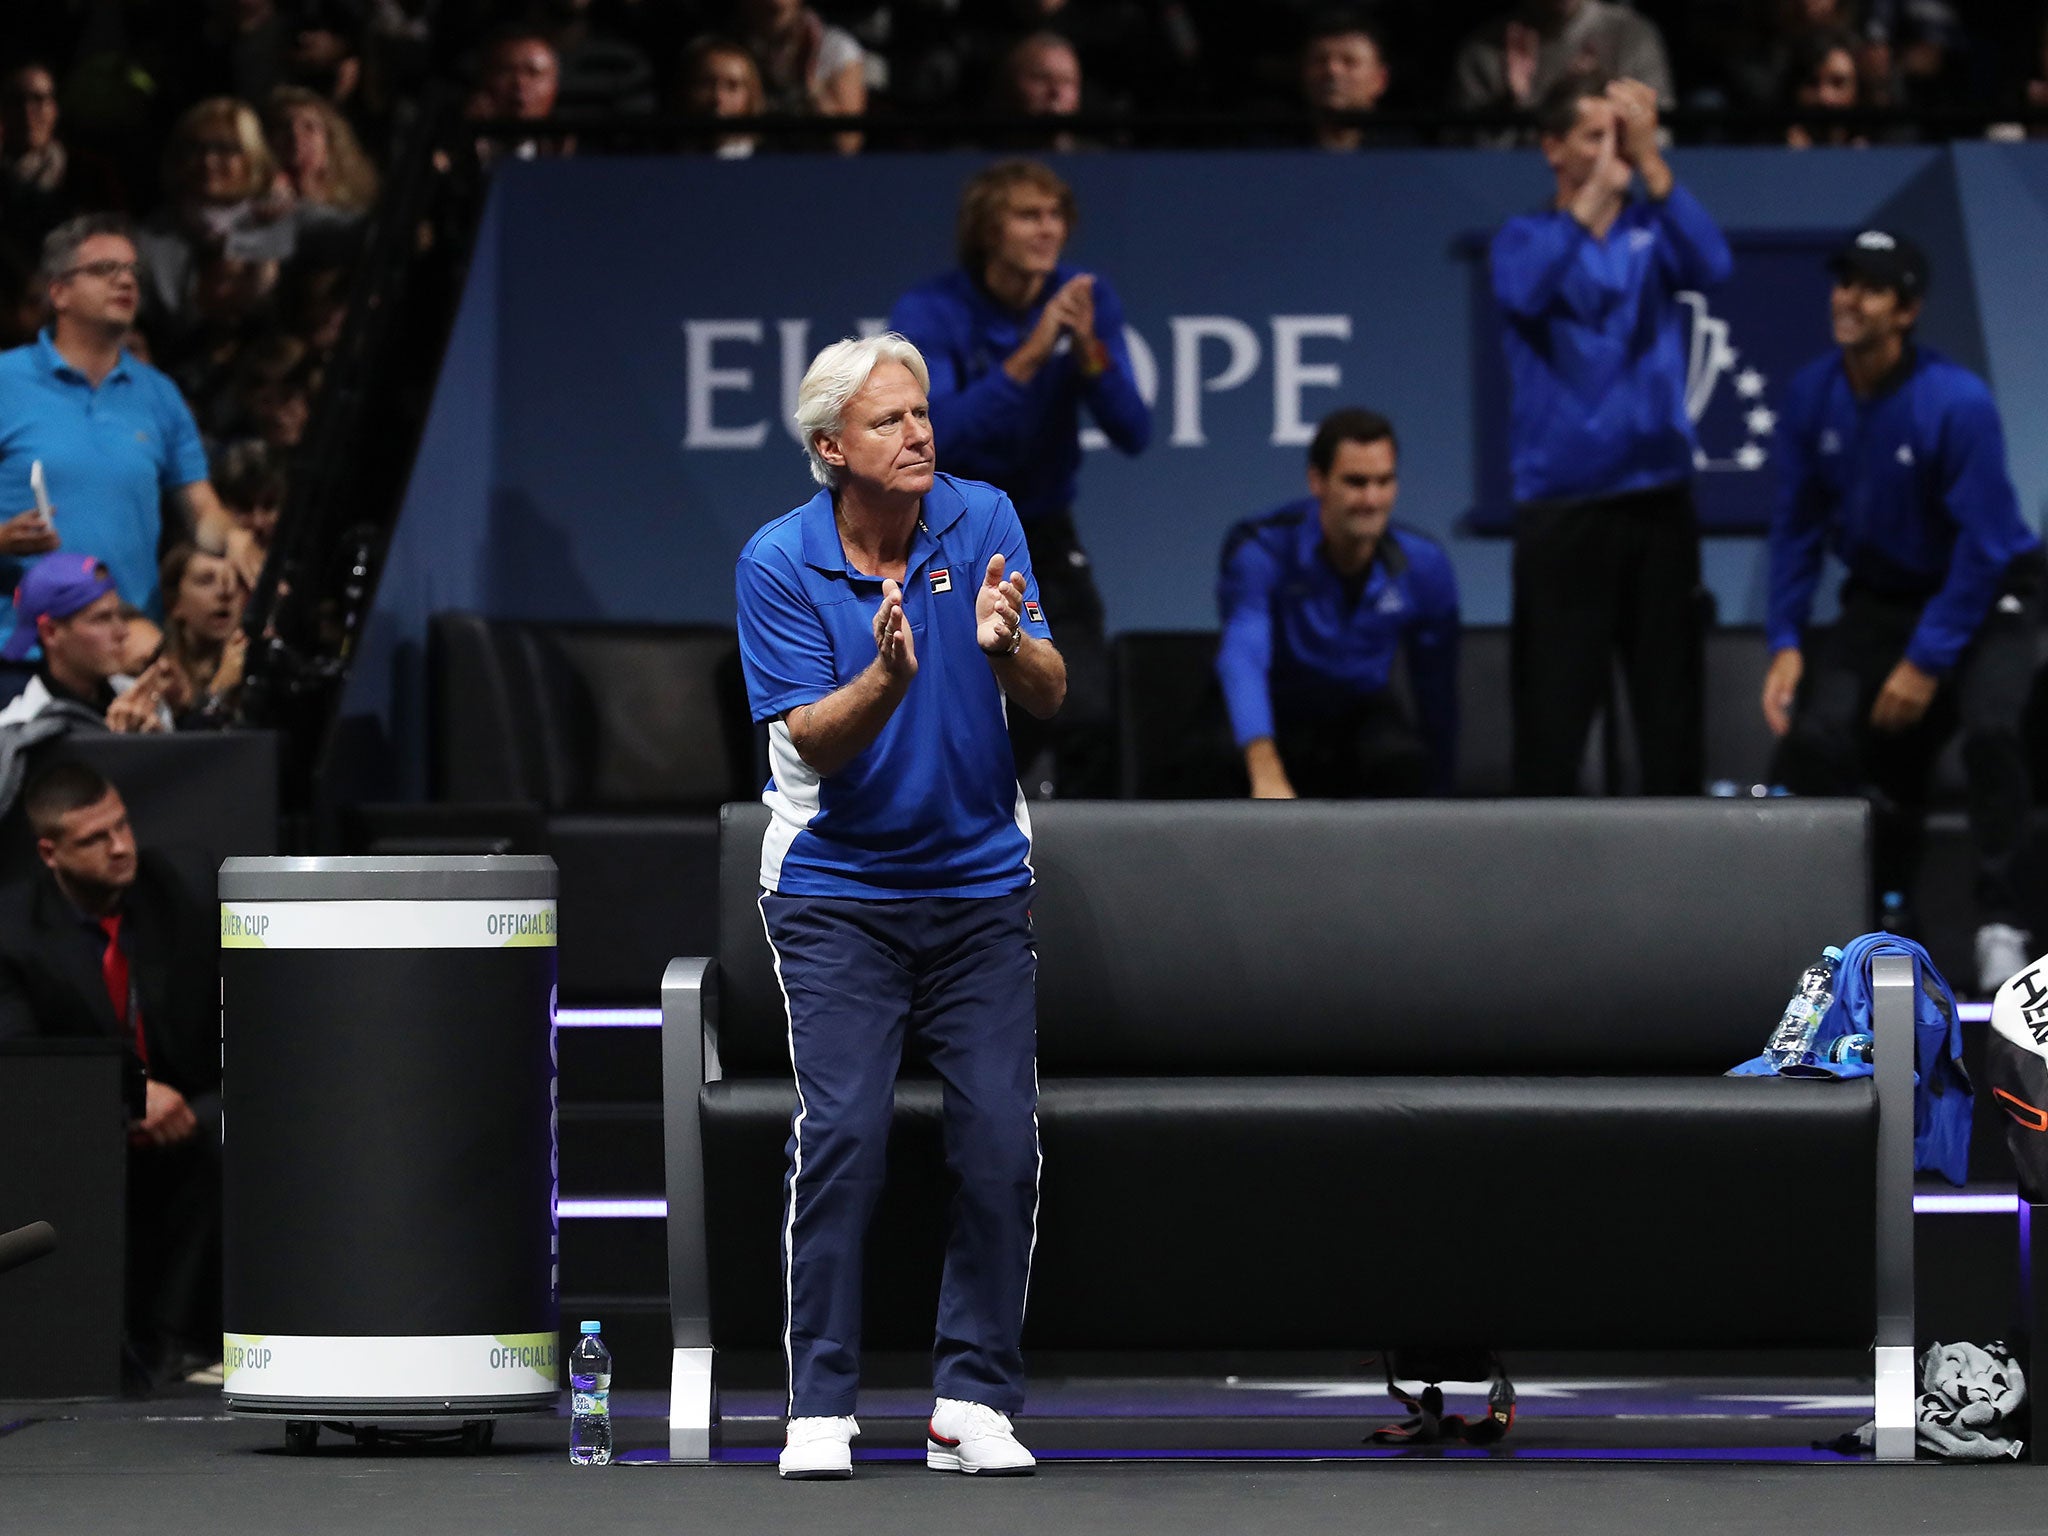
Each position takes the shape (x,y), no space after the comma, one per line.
(609,424)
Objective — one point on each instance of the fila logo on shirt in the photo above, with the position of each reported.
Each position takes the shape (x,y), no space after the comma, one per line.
(1033,612)
(1831,441)
(1390,601)
(942,579)
(1641,239)
(1905,453)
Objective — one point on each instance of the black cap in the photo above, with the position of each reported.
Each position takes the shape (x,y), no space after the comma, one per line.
(1884,260)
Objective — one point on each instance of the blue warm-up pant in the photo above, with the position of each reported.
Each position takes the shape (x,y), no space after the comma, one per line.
(855,975)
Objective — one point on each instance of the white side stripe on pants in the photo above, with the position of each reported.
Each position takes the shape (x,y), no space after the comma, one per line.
(796,1169)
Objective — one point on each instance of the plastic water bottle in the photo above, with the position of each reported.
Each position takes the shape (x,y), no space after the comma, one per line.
(590,1388)
(1792,1041)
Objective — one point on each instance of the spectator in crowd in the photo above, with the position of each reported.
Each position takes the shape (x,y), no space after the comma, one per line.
(113,941)
(1824,77)
(68,605)
(1019,342)
(1515,60)
(262,44)
(1893,456)
(231,304)
(203,636)
(111,432)
(1041,77)
(1343,69)
(224,196)
(521,77)
(251,484)
(43,181)
(806,65)
(721,79)
(1318,599)
(1607,547)
(317,153)
(272,397)
(601,70)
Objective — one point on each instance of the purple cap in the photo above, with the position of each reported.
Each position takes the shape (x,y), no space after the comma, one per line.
(57,585)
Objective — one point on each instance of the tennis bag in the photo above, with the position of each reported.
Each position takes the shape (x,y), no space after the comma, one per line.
(1943,1098)
(2016,1064)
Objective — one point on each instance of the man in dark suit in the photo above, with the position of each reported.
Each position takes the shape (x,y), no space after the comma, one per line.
(111,940)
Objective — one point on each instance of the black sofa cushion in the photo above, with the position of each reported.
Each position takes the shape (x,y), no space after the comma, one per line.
(1443,937)
(1278,1213)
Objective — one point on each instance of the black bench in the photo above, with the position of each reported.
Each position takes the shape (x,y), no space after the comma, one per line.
(1286,1049)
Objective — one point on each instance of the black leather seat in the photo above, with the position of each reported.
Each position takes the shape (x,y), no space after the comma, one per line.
(627,737)
(1351,1074)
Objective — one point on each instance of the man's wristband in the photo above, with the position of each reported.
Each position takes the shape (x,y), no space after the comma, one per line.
(1016,645)
(1094,362)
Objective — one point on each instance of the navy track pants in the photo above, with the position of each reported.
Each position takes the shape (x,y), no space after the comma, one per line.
(962,974)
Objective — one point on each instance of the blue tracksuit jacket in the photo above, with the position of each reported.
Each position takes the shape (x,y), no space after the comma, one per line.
(1908,487)
(1596,345)
(1024,438)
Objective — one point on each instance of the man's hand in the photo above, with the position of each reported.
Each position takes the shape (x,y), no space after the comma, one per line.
(1597,202)
(1518,59)
(1781,683)
(1070,310)
(1267,773)
(135,712)
(999,610)
(893,646)
(1904,698)
(27,533)
(1635,128)
(166,1118)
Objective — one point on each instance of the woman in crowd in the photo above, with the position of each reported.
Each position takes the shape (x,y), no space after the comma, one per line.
(721,79)
(318,153)
(1824,78)
(203,633)
(221,184)
(806,66)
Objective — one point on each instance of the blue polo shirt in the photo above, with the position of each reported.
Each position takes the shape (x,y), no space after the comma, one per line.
(1025,438)
(1595,336)
(1910,488)
(109,455)
(932,807)
(1297,645)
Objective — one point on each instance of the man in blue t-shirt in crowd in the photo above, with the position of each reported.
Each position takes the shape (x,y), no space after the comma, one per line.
(1893,456)
(113,434)
(1607,547)
(1318,597)
(883,625)
(1018,342)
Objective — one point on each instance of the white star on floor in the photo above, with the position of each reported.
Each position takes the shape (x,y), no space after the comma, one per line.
(1761,421)
(1749,456)
(1749,383)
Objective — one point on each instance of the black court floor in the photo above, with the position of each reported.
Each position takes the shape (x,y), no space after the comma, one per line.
(1254,1450)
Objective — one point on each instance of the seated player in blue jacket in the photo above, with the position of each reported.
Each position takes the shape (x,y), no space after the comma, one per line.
(1317,598)
(1893,456)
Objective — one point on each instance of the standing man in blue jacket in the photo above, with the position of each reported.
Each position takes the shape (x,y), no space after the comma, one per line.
(1319,598)
(1018,342)
(1893,456)
(1607,550)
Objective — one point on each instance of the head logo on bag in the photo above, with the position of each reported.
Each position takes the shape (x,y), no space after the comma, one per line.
(2016,1058)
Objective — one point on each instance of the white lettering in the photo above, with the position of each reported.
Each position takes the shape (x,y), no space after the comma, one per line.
(1291,375)
(796,358)
(704,380)
(1189,332)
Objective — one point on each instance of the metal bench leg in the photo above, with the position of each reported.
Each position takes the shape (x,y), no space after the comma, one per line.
(1897,1367)
(688,1017)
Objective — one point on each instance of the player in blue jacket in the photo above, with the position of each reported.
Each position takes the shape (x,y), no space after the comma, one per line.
(1893,456)
(1318,599)
(1607,550)
(1019,343)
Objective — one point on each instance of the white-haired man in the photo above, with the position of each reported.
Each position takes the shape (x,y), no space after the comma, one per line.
(882,626)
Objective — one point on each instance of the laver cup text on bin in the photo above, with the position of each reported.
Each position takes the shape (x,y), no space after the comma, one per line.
(239,925)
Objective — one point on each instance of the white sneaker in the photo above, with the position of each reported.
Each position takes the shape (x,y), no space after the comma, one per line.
(2002,953)
(973,1437)
(818,1448)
